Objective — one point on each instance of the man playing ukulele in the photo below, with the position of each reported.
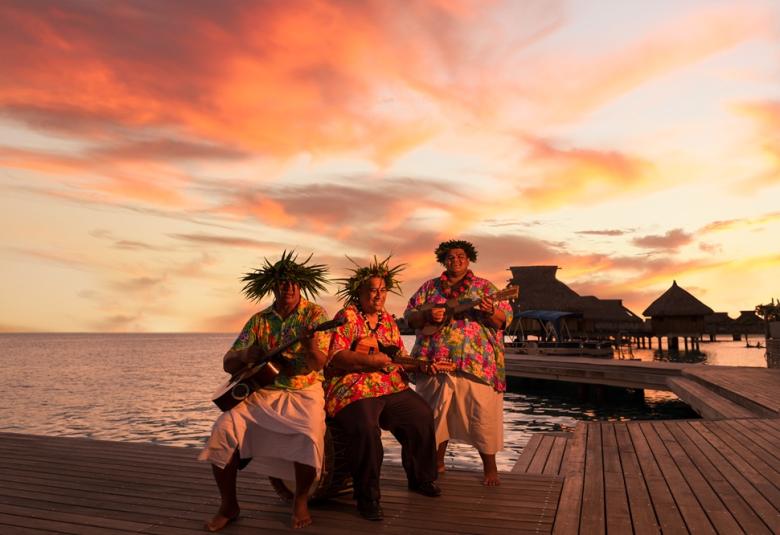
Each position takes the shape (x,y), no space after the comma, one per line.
(365,391)
(468,404)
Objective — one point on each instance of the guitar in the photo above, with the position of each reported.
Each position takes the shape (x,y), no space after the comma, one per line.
(453,307)
(259,374)
(370,345)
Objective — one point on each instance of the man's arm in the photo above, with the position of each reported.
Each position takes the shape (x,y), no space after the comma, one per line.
(352,361)
(237,359)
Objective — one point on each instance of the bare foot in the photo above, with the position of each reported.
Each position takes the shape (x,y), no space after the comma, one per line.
(490,470)
(491,479)
(222,519)
(300,516)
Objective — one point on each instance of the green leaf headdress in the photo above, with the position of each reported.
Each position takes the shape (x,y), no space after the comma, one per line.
(261,281)
(350,286)
(445,247)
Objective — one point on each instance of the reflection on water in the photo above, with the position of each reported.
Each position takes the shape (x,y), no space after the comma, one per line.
(157,388)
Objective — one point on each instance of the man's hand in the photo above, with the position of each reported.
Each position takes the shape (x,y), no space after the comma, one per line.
(487,306)
(436,315)
(378,361)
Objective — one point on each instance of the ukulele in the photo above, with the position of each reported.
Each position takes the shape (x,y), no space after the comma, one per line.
(453,307)
(258,374)
(370,345)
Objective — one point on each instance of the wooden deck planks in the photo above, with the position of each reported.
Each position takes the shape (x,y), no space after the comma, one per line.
(79,486)
(543,454)
(707,403)
(753,388)
(671,477)
(643,518)
(567,518)
(618,517)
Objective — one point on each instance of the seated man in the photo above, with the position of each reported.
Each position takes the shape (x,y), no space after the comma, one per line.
(365,392)
(281,427)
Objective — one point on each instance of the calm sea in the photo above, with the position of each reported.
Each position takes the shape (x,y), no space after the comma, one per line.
(157,388)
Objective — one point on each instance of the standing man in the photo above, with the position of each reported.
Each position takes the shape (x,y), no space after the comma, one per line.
(366,392)
(468,404)
(280,427)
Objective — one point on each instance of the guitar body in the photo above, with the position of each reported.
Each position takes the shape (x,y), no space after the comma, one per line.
(453,306)
(238,387)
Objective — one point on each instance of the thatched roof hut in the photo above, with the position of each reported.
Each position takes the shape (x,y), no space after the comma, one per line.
(541,290)
(677,302)
(677,313)
(749,323)
(719,323)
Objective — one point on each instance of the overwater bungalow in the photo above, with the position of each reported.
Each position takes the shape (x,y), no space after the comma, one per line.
(677,314)
(541,290)
(719,323)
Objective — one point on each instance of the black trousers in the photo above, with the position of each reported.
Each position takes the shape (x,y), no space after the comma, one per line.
(409,418)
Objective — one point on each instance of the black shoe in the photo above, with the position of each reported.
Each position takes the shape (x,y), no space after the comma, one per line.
(429,488)
(370,509)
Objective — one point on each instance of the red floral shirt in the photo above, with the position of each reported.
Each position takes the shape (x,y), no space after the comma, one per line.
(342,387)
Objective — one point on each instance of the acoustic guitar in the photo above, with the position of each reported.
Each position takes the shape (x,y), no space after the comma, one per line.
(259,374)
(454,307)
(370,345)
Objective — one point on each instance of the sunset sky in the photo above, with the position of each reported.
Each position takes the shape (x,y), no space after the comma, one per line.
(151,152)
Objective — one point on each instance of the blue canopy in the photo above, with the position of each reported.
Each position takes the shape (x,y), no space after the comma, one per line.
(545,315)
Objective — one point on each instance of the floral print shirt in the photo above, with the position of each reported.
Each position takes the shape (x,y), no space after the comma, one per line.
(473,347)
(343,387)
(269,330)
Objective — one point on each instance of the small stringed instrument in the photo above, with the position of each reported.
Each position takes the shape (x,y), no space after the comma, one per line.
(261,373)
(370,345)
(454,307)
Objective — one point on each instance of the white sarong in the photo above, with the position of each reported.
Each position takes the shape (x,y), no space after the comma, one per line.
(275,428)
(464,409)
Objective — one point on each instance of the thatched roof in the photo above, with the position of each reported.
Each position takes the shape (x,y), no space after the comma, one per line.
(677,302)
(718,318)
(540,290)
(749,317)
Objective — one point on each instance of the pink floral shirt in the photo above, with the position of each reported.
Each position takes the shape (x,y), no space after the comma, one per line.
(472,346)
(342,387)
(269,330)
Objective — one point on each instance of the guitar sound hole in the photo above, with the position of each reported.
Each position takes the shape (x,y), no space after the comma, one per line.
(240,391)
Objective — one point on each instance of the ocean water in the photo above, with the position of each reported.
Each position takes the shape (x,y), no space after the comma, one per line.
(157,388)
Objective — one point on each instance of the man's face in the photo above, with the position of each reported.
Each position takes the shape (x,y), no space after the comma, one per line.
(456,262)
(373,294)
(287,292)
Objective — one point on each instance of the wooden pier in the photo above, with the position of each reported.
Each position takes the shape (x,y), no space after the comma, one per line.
(720,474)
(85,487)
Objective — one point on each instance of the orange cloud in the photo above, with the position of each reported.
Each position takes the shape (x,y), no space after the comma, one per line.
(581,175)
(567,87)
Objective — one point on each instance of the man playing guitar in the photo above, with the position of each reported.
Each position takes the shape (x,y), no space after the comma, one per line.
(279,427)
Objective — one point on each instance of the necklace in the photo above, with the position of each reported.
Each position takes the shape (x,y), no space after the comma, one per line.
(375,328)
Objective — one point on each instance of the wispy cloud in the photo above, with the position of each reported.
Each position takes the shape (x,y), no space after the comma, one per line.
(671,240)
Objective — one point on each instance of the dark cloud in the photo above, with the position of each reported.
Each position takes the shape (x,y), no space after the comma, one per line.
(605,232)
(671,240)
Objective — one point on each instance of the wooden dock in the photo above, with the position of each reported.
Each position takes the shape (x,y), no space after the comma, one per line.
(82,486)
(720,474)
